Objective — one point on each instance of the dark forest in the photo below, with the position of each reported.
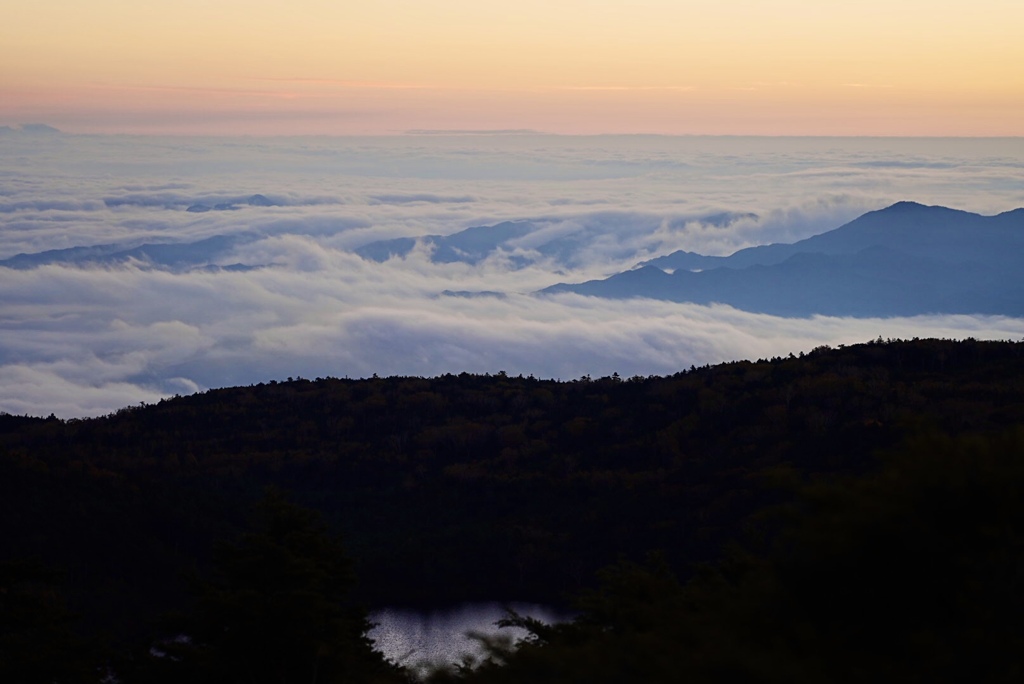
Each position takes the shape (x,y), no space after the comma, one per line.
(849,514)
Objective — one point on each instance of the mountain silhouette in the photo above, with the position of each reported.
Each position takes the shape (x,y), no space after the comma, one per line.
(523,242)
(178,256)
(904,260)
(470,246)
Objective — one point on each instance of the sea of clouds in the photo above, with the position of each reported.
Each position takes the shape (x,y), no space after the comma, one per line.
(273,288)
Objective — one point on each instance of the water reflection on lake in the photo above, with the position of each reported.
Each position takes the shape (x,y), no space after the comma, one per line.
(410,637)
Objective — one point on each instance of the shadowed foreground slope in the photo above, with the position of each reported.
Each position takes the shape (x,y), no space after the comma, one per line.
(914,573)
(476,487)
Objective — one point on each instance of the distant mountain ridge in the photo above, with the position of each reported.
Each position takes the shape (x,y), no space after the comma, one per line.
(177,256)
(520,241)
(31,129)
(471,245)
(907,259)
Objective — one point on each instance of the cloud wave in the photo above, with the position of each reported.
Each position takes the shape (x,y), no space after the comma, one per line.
(87,339)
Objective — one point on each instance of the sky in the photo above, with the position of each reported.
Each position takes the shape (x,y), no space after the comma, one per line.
(321,67)
(286,295)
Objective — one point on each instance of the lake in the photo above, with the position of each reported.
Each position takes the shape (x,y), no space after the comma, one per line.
(415,638)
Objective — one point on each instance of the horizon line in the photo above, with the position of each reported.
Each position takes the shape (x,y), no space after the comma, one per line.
(27,129)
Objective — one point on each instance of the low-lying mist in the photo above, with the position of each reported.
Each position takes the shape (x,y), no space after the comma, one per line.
(150,267)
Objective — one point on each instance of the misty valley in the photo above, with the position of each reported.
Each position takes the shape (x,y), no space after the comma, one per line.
(134,268)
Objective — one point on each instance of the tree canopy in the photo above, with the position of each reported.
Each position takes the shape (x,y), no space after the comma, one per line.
(492,487)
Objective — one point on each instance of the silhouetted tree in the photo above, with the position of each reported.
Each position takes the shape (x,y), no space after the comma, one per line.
(277,610)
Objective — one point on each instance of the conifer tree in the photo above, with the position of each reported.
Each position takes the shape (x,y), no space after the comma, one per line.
(277,610)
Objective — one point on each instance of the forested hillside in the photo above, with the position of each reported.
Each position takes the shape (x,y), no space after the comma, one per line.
(479,487)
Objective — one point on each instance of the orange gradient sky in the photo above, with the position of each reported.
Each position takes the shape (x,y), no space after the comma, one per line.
(766,67)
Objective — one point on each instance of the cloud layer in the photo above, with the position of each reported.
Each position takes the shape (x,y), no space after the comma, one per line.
(86,339)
